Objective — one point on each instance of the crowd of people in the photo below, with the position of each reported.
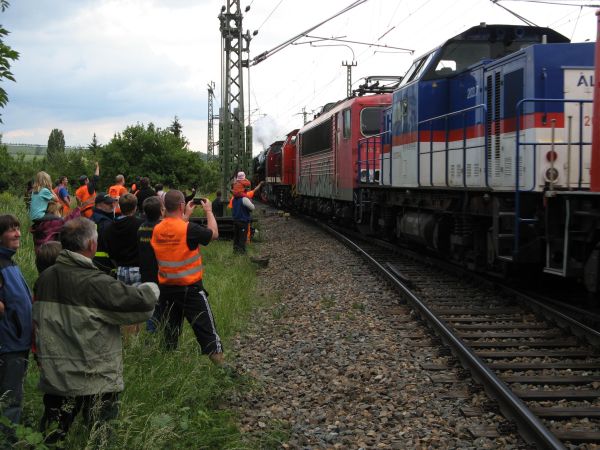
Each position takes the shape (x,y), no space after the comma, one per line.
(119,259)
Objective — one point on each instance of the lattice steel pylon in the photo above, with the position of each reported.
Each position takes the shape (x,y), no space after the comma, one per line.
(349,66)
(211,144)
(235,140)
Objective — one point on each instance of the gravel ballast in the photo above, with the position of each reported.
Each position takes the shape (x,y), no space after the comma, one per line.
(336,359)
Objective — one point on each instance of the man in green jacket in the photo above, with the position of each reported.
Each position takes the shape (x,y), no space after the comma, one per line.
(77,314)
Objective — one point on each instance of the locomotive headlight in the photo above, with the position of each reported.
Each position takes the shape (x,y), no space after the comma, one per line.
(551,156)
(551,175)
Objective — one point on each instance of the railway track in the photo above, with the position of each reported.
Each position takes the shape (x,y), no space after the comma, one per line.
(538,364)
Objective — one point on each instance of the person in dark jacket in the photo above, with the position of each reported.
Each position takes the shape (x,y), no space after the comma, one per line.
(242,207)
(153,210)
(103,216)
(144,192)
(121,239)
(15,321)
(217,205)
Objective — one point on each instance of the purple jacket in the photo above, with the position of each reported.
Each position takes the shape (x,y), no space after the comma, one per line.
(48,227)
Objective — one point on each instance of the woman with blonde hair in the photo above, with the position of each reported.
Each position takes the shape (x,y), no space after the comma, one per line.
(41,195)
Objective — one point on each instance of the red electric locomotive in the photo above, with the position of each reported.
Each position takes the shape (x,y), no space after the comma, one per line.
(280,171)
(329,159)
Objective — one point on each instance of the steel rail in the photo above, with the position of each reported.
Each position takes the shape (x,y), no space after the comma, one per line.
(529,425)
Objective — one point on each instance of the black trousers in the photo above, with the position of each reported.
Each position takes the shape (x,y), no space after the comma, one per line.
(240,235)
(190,302)
(96,410)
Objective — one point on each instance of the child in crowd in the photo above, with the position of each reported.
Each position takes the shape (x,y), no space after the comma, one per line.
(240,185)
(48,227)
(46,254)
(41,195)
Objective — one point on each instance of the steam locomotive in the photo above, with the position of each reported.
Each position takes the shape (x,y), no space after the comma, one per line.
(481,152)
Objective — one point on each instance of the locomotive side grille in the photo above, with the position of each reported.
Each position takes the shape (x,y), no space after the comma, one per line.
(489,113)
(497,86)
(521,171)
(469,170)
(508,169)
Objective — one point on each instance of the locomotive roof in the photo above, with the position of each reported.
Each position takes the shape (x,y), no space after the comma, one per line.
(482,42)
(493,33)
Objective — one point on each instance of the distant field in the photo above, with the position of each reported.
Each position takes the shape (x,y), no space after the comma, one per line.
(32,150)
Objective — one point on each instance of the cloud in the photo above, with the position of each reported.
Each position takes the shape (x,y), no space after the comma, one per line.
(100,65)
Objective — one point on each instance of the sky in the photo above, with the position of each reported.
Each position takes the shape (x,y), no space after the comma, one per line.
(97,66)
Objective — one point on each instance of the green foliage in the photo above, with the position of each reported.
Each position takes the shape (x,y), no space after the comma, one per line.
(56,145)
(7,56)
(158,154)
(139,150)
(176,127)
(93,146)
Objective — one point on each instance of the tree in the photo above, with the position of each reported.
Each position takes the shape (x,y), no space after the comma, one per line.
(176,127)
(94,146)
(7,55)
(158,154)
(56,145)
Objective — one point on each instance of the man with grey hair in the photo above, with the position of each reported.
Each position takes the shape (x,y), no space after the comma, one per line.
(77,317)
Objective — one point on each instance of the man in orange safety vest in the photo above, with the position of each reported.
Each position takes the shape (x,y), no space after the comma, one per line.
(176,243)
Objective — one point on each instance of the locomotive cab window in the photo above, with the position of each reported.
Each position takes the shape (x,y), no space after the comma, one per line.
(370,121)
(416,70)
(347,123)
(458,56)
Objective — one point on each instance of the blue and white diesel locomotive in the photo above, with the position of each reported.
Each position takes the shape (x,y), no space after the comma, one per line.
(485,155)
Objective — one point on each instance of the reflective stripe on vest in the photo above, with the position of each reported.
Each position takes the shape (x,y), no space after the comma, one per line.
(101,255)
(185,273)
(177,264)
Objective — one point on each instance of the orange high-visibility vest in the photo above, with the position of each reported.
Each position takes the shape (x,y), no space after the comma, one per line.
(115,191)
(177,264)
(249,194)
(86,201)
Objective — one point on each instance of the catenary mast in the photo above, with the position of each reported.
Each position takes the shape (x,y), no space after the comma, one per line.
(211,144)
(235,139)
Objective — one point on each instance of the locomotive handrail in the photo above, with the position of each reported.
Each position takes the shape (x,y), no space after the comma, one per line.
(447,148)
(519,111)
(376,139)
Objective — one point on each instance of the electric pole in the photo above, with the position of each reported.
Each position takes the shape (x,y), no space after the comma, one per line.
(349,67)
(211,144)
(235,139)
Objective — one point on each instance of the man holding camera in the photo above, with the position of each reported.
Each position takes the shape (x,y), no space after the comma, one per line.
(176,243)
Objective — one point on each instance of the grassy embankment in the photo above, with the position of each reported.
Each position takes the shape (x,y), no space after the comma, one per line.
(171,400)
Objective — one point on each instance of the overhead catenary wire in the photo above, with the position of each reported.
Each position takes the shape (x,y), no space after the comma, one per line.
(576,22)
(266,54)
(270,14)
(347,41)
(557,3)
(518,16)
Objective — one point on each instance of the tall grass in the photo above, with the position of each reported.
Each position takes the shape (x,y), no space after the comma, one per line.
(172,399)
